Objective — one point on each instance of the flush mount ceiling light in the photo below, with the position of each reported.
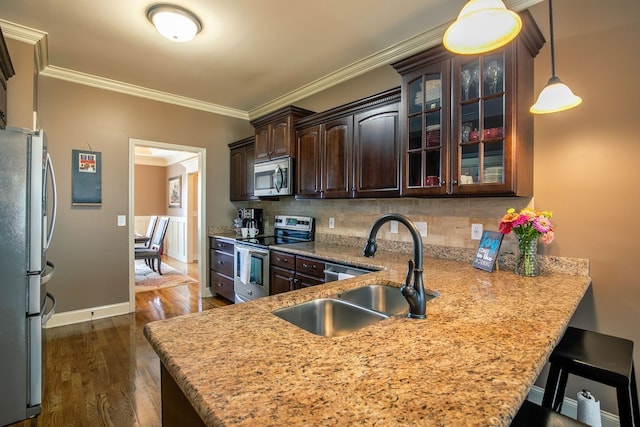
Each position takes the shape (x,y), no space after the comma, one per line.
(482,26)
(174,22)
(556,96)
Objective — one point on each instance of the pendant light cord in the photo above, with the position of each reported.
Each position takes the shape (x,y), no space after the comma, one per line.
(553,54)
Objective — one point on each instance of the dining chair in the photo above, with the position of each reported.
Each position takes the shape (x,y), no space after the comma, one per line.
(145,241)
(154,251)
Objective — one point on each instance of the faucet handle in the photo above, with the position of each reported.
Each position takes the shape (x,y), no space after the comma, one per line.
(410,268)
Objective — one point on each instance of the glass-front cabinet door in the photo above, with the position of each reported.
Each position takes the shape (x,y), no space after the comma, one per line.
(479,129)
(426,158)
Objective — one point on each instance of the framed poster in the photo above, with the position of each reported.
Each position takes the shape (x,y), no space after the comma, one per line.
(487,252)
(175,192)
(86,178)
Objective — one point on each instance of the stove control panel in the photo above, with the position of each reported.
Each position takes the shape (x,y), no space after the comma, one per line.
(297,223)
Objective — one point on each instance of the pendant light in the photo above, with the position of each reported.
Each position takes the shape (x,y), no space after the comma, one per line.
(482,26)
(174,22)
(556,96)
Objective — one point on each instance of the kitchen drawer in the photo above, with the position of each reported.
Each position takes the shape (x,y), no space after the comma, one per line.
(222,262)
(283,259)
(310,267)
(221,245)
(304,281)
(221,285)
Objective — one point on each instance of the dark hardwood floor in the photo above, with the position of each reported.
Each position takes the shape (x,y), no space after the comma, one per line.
(104,372)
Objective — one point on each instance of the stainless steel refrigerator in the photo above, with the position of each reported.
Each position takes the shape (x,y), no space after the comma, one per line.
(27,213)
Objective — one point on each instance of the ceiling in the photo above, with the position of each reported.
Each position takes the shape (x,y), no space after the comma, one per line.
(252,56)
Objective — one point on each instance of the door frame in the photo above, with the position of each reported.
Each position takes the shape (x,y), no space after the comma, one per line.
(203,290)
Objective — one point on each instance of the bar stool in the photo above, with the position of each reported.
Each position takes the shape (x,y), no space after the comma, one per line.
(597,357)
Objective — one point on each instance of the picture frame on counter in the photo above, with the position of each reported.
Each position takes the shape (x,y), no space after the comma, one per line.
(488,248)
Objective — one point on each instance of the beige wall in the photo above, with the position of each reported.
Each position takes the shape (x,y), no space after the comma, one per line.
(90,251)
(150,190)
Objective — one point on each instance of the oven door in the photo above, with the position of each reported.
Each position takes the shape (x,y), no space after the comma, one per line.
(250,272)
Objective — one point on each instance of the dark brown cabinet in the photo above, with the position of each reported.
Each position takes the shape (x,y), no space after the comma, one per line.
(290,272)
(350,151)
(376,152)
(275,133)
(6,72)
(324,160)
(241,170)
(221,267)
(466,125)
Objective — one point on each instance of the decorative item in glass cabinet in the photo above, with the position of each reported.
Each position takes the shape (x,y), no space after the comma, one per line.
(529,226)
(492,74)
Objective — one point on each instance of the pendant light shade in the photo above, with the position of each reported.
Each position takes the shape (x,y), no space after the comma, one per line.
(174,22)
(482,26)
(556,96)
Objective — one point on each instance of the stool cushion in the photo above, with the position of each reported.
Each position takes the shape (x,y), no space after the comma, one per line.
(532,415)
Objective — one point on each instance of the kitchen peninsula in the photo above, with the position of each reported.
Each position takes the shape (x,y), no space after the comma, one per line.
(471,362)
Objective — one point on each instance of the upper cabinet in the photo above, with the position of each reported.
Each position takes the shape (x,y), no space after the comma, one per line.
(6,72)
(350,151)
(275,133)
(466,125)
(241,178)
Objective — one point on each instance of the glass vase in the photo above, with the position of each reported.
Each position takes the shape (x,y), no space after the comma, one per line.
(526,262)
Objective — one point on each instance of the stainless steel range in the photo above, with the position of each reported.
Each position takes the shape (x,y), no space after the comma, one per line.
(251,261)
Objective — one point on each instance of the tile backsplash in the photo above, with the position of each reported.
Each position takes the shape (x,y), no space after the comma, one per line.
(448,220)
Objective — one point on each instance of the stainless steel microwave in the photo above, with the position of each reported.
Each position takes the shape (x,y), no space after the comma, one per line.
(274,178)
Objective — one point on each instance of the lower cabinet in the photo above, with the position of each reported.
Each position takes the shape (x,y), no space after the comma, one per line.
(221,267)
(289,272)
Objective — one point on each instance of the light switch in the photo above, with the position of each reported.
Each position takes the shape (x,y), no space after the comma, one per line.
(122,220)
(476,231)
(422,228)
(394,227)
(332,222)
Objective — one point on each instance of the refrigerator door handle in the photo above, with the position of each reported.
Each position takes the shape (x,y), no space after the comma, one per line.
(54,195)
(48,274)
(46,316)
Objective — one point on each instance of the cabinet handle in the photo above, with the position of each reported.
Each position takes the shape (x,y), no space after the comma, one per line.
(454,182)
(305,265)
(282,259)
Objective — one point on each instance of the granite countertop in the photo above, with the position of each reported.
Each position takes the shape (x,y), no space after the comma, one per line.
(471,362)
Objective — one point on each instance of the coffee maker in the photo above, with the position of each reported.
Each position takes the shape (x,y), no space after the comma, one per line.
(249,217)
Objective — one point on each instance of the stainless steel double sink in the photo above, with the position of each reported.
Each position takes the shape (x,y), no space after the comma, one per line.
(348,311)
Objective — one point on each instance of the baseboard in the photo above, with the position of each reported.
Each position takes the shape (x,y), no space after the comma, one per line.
(570,408)
(87,314)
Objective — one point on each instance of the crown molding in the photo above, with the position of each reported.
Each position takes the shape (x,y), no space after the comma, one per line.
(38,39)
(139,91)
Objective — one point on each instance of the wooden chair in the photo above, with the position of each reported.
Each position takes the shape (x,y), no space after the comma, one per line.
(154,251)
(145,241)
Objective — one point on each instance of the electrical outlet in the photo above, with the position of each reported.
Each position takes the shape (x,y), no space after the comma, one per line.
(394,227)
(422,228)
(476,231)
(332,222)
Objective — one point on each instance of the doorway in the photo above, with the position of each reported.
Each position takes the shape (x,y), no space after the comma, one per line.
(194,203)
